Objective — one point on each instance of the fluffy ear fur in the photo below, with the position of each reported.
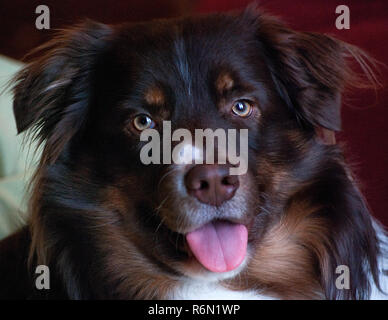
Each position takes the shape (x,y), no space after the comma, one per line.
(311,71)
(354,243)
(52,93)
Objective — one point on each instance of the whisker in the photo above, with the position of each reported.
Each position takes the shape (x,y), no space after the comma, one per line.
(166,175)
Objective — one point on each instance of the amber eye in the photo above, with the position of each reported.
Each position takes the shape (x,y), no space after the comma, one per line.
(142,122)
(242,108)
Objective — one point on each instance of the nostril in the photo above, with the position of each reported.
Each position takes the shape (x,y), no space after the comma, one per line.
(229,181)
(226,181)
(204,185)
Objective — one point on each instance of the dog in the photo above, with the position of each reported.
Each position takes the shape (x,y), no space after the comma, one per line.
(108,226)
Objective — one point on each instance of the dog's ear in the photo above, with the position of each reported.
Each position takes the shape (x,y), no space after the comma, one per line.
(52,93)
(311,71)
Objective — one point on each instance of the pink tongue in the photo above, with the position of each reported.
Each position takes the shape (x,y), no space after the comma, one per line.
(219,245)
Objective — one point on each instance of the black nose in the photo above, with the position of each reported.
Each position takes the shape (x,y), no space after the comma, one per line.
(211,184)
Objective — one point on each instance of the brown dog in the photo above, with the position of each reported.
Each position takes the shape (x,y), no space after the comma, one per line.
(109,226)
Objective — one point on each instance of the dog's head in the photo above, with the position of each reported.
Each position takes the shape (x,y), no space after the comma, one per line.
(97,88)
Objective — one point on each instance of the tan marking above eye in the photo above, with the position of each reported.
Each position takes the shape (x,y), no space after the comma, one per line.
(154,96)
(224,82)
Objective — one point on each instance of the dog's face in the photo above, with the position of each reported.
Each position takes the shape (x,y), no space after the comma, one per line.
(99,88)
(175,72)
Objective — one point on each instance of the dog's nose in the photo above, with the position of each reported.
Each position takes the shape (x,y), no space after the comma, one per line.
(211,184)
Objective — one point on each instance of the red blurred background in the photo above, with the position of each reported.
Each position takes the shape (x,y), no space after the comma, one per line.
(364,114)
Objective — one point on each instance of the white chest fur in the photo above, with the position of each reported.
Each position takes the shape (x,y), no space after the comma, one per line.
(198,290)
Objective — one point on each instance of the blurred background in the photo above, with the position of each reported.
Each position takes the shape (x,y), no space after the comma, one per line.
(365,114)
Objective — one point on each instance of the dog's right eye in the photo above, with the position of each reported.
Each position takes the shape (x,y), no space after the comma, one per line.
(142,122)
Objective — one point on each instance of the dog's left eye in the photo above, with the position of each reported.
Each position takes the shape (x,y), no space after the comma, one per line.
(242,108)
(142,122)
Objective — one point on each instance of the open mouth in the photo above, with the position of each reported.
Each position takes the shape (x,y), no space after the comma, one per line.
(219,245)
